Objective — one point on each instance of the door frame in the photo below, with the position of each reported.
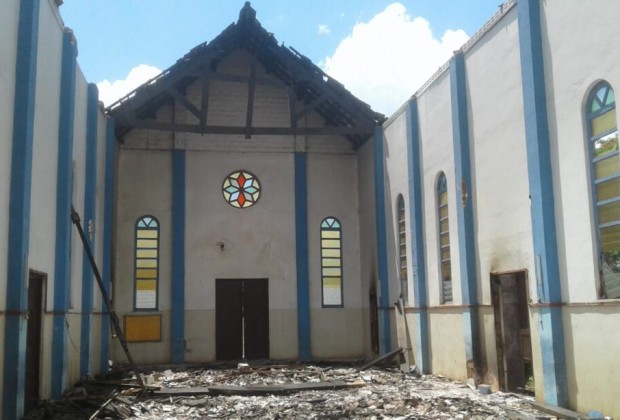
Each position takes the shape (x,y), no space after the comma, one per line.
(34,362)
(521,278)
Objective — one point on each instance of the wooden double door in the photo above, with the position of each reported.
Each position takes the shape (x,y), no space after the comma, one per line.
(241,319)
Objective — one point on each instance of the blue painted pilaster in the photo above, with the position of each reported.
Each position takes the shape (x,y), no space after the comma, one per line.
(108,227)
(464,211)
(64,194)
(542,203)
(89,223)
(385,341)
(301,250)
(19,210)
(414,170)
(178,256)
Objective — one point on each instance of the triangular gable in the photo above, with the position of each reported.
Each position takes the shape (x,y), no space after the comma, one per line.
(343,113)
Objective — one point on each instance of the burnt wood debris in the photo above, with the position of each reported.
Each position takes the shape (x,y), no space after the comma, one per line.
(282,391)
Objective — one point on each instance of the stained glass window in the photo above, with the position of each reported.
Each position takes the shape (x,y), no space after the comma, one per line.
(402,250)
(444,239)
(331,262)
(603,140)
(147,263)
(241,189)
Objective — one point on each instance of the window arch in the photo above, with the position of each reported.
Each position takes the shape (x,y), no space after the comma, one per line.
(402,249)
(331,262)
(445,263)
(605,175)
(146,272)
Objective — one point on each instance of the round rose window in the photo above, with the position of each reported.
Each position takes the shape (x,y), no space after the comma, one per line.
(241,189)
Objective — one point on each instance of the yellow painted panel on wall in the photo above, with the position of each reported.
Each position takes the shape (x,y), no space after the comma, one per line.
(142,328)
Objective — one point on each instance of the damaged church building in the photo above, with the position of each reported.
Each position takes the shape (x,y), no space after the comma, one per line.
(245,205)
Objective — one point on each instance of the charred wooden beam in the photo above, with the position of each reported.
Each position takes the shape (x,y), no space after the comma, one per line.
(186,103)
(250,110)
(204,105)
(232,130)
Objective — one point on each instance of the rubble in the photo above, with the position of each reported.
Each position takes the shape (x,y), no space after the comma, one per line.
(370,394)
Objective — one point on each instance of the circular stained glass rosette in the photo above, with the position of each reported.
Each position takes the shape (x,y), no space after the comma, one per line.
(241,189)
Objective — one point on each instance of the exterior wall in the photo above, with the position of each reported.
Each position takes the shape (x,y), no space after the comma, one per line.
(499,163)
(42,240)
(446,344)
(587,319)
(44,168)
(9,19)
(258,242)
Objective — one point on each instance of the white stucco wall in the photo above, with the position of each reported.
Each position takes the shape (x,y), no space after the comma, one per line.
(437,154)
(580,48)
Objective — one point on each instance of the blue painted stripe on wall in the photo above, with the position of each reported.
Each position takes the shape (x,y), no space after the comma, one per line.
(385,340)
(108,227)
(64,193)
(89,223)
(19,209)
(178,256)
(414,170)
(464,209)
(542,201)
(301,252)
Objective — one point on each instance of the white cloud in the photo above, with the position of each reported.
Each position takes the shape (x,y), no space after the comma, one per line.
(324,29)
(109,92)
(385,60)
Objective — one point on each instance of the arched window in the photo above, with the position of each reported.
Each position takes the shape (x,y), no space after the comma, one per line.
(147,263)
(402,249)
(331,262)
(605,172)
(444,239)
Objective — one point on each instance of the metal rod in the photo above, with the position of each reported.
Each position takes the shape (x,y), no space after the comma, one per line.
(75,218)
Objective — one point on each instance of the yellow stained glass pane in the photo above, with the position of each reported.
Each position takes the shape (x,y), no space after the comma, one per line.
(146,243)
(603,123)
(444,226)
(146,273)
(140,263)
(329,234)
(443,198)
(144,285)
(610,239)
(331,282)
(606,167)
(331,262)
(608,189)
(146,253)
(445,239)
(445,254)
(609,213)
(147,233)
(333,253)
(446,268)
(330,243)
(443,212)
(332,272)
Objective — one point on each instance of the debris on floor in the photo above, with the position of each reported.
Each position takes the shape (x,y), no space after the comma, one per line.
(299,391)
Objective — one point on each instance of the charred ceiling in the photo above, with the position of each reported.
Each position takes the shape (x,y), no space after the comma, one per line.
(309,89)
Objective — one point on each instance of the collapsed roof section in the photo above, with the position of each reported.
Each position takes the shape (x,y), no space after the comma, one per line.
(343,113)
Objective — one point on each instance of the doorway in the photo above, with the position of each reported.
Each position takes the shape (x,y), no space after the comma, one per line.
(512,330)
(36,282)
(241,319)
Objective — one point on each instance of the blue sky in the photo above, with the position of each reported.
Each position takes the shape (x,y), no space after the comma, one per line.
(347,38)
